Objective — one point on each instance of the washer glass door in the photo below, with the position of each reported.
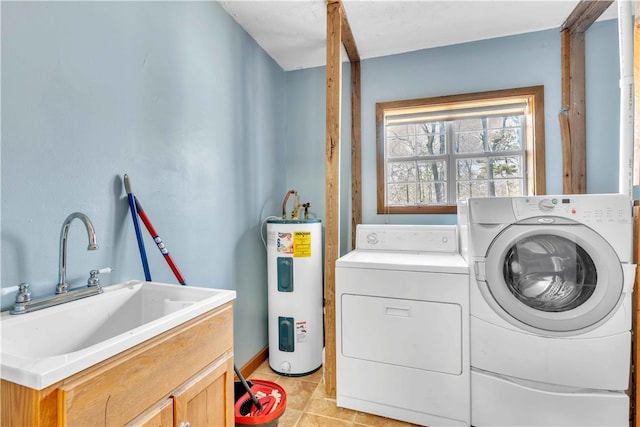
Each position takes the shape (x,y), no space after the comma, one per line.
(549,273)
(556,278)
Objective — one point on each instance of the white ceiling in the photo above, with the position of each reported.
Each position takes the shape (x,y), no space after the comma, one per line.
(293,32)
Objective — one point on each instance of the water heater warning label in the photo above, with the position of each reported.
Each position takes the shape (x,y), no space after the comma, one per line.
(284,243)
(302,244)
(301,332)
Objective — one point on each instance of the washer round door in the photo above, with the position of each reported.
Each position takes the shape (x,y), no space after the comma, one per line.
(553,278)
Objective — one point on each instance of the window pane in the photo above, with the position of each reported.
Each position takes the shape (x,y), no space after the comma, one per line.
(506,167)
(400,140)
(508,187)
(505,133)
(504,140)
(469,136)
(432,171)
(401,172)
(469,169)
(401,194)
(467,125)
(432,193)
(400,130)
(430,139)
(471,189)
(488,134)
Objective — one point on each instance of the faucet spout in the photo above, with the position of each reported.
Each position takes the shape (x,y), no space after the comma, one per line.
(62,270)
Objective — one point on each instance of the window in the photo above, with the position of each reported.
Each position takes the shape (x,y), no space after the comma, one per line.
(434,151)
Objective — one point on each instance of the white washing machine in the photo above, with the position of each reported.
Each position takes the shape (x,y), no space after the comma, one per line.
(550,295)
(402,325)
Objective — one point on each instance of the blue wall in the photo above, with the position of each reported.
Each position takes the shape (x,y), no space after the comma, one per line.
(213,133)
(501,63)
(176,95)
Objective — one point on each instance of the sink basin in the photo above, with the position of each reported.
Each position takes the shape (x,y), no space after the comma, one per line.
(46,346)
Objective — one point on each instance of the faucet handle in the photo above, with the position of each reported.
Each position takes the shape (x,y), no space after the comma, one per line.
(23,294)
(94,280)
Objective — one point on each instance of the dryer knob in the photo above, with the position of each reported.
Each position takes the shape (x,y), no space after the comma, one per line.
(372,238)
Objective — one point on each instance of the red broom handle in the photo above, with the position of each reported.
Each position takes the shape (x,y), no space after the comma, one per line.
(156,238)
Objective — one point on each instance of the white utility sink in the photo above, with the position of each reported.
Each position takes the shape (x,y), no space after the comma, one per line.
(46,346)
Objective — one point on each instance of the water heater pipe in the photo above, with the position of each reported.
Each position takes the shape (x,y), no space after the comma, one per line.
(625,43)
(284,202)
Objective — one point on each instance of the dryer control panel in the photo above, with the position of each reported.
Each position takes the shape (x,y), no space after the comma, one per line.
(414,238)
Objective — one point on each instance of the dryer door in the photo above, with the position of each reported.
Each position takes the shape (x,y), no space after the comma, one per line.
(554,278)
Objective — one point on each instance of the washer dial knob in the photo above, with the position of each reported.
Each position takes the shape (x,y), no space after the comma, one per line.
(547,205)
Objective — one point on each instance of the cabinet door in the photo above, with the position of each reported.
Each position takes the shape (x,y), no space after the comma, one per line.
(126,385)
(160,415)
(207,398)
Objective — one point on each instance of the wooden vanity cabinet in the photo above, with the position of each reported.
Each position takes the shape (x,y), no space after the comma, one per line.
(160,415)
(183,377)
(202,401)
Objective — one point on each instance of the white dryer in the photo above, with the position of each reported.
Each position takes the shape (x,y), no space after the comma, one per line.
(402,307)
(550,306)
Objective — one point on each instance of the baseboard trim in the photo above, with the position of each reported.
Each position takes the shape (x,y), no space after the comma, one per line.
(255,362)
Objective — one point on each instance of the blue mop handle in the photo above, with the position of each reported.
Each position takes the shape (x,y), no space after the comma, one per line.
(136,226)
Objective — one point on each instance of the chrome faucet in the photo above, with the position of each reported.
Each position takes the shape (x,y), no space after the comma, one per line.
(62,270)
(24,303)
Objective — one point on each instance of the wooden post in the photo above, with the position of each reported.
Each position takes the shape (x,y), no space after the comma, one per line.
(563,116)
(350,47)
(356,149)
(332,196)
(338,34)
(577,115)
(573,126)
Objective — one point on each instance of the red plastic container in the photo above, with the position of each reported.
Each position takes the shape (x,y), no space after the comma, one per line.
(267,392)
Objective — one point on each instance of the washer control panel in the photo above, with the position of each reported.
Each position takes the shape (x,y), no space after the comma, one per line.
(585,208)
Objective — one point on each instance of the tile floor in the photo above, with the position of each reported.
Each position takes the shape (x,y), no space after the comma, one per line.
(308,405)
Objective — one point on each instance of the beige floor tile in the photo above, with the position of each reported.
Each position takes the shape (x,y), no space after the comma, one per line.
(289,418)
(312,420)
(327,407)
(316,377)
(268,376)
(264,367)
(298,392)
(321,391)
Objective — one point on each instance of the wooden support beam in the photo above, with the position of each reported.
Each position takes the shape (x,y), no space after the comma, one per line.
(585,14)
(348,41)
(356,150)
(573,113)
(577,114)
(332,190)
(636,88)
(338,34)
(563,116)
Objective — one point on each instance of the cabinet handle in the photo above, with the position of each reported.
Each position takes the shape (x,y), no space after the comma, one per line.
(185,424)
